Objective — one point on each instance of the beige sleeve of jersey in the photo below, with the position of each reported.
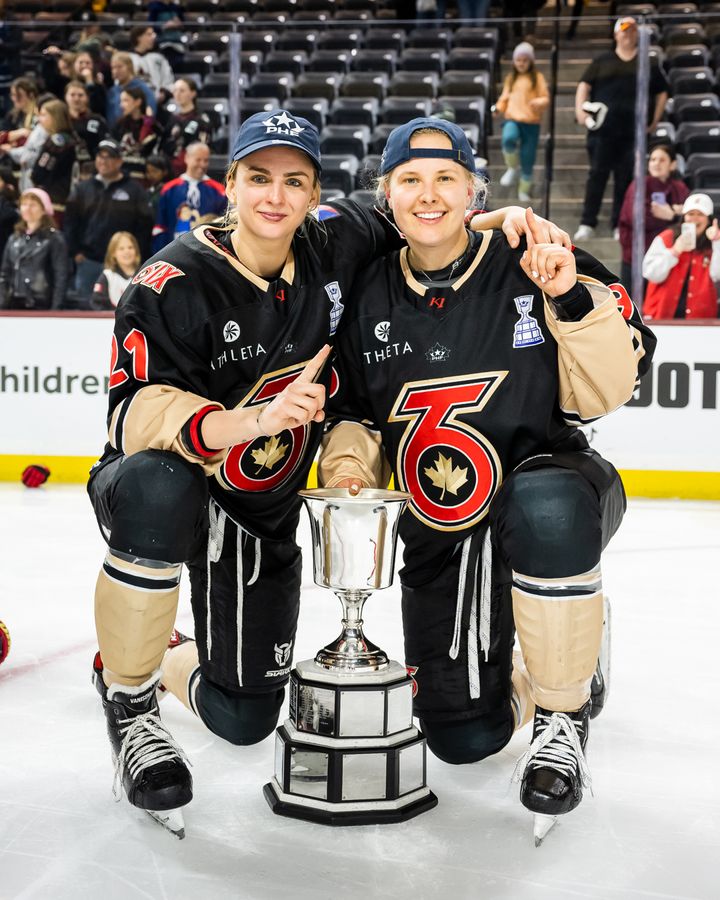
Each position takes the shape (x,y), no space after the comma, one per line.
(154,420)
(597,362)
(350,450)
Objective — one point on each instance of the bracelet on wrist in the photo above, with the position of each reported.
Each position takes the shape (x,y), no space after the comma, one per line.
(257,422)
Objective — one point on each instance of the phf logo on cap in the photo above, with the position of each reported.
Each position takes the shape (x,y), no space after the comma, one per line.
(275,128)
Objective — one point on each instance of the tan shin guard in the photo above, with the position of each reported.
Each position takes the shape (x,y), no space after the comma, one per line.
(560,641)
(133,625)
(177,667)
(523,704)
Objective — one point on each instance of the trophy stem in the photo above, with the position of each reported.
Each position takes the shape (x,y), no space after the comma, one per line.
(352,651)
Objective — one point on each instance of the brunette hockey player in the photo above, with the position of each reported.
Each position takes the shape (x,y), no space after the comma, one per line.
(467,366)
(216,403)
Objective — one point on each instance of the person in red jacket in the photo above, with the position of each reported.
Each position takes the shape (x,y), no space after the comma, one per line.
(681,267)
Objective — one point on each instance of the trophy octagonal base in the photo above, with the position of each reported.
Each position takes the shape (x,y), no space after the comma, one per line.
(284,805)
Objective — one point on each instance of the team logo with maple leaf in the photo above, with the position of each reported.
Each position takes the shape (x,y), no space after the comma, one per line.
(446,463)
(266,462)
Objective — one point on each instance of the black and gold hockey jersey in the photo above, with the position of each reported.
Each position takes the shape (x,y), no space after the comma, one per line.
(197,331)
(462,383)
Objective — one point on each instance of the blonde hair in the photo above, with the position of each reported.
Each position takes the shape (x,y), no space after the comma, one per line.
(230,219)
(110,260)
(381,184)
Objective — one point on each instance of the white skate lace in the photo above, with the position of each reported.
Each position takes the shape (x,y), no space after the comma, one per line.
(558,747)
(146,741)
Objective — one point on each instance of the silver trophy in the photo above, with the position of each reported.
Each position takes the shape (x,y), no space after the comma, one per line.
(349,754)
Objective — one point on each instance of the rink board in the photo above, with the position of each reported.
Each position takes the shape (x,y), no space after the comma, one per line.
(53,400)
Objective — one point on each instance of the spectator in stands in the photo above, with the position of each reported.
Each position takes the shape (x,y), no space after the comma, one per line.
(610,80)
(56,69)
(97,208)
(8,205)
(137,133)
(148,63)
(524,13)
(122,261)
(85,70)
(183,200)
(35,265)
(123,73)
(681,268)
(473,10)
(17,124)
(157,174)
(186,125)
(523,101)
(25,154)
(664,197)
(53,169)
(89,127)
(168,16)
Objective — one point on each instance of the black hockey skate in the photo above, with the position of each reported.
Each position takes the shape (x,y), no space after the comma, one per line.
(600,686)
(148,763)
(553,769)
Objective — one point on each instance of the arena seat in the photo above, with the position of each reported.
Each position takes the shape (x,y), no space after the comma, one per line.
(345,140)
(314,109)
(398,110)
(365,84)
(354,111)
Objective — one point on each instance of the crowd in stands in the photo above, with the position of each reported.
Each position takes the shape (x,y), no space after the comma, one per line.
(114,132)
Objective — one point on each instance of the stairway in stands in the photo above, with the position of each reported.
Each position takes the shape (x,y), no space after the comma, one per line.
(594,34)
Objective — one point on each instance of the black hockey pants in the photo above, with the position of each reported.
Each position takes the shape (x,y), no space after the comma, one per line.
(245,593)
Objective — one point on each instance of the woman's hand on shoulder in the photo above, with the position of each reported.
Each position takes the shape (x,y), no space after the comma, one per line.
(550,267)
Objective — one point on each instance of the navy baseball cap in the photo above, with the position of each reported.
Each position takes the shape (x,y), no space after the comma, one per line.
(277,128)
(398,150)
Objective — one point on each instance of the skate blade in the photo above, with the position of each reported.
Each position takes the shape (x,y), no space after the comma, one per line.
(542,826)
(172,820)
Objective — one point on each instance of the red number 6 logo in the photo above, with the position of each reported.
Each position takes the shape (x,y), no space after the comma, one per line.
(449,467)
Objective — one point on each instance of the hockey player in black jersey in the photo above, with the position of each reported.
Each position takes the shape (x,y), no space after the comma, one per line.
(467,366)
(216,397)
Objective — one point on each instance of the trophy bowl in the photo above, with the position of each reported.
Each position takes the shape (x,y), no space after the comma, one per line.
(353,540)
(354,536)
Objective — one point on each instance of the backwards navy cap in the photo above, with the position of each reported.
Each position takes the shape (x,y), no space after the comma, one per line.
(274,128)
(398,150)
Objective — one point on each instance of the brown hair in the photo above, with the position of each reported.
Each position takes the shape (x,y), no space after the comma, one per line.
(46,221)
(59,114)
(110,261)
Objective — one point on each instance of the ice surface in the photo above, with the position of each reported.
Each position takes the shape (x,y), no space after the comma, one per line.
(652,830)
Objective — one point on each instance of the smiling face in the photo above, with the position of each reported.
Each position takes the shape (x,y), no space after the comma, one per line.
(522,63)
(699,220)
(273,189)
(428,198)
(126,256)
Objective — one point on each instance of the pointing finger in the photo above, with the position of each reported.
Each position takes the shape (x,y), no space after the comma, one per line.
(312,370)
